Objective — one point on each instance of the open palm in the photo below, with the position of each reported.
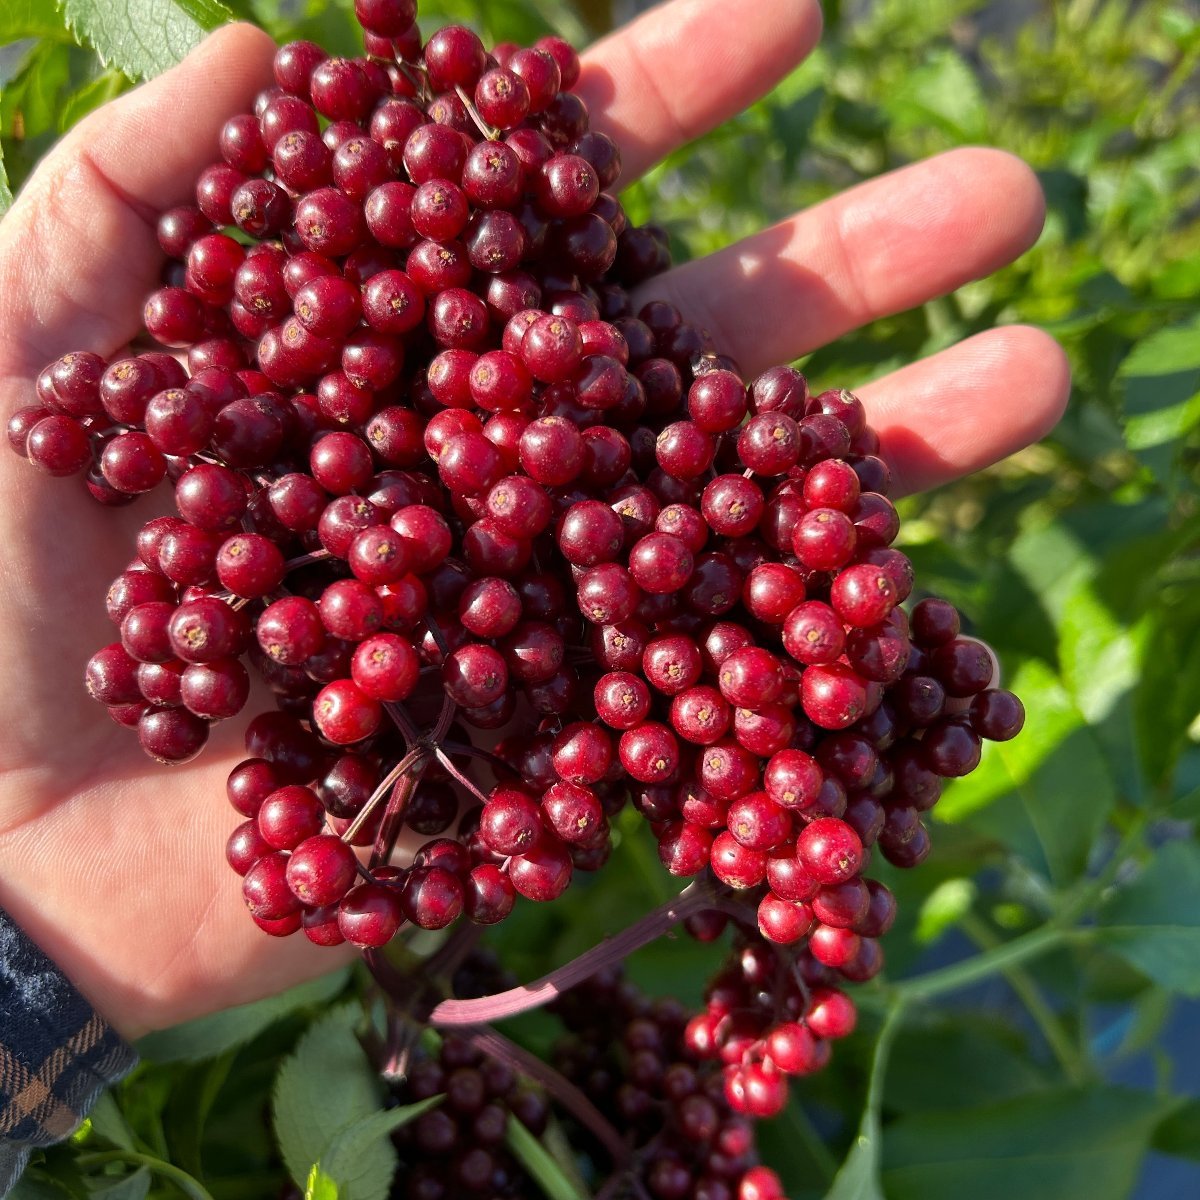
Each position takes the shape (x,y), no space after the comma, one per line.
(114,864)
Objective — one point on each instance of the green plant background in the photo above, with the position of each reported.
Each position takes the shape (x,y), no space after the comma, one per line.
(1039,1001)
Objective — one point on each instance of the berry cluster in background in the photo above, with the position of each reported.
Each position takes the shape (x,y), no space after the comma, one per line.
(512,550)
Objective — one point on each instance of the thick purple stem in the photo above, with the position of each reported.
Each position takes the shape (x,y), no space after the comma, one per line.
(694,898)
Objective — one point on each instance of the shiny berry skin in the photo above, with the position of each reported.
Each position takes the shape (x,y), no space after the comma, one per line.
(432,897)
(758,822)
(172,735)
(265,890)
(249,565)
(783,922)
(813,634)
(831,1014)
(660,563)
(582,753)
(685,848)
(345,714)
(951,748)
(735,864)
(756,1090)
(215,690)
(963,666)
(701,715)
(290,815)
(385,667)
(751,676)
(370,914)
(997,715)
(824,539)
(772,591)
(863,595)
(672,664)
(541,873)
(58,445)
(834,696)
(732,505)
(830,850)
(475,675)
(832,946)
(934,622)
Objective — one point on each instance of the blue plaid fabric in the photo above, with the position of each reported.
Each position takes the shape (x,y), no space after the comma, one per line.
(57,1054)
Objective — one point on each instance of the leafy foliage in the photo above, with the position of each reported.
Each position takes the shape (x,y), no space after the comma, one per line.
(1066,884)
(142,38)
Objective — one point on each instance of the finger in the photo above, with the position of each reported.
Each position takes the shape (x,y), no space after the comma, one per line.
(686,66)
(879,248)
(198,952)
(78,251)
(969,406)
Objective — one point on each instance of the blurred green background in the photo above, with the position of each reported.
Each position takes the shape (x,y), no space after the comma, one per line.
(1048,1074)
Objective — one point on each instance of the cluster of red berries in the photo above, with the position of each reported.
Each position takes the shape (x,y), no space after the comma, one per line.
(437,476)
(772,1012)
(635,1058)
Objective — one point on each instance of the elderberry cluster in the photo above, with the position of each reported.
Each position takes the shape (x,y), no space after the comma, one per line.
(458,1147)
(512,549)
(635,1058)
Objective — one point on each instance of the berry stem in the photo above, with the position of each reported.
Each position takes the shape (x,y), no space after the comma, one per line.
(462,750)
(1027,990)
(483,127)
(458,775)
(393,817)
(694,898)
(406,725)
(305,560)
(382,790)
(497,1046)
(1027,947)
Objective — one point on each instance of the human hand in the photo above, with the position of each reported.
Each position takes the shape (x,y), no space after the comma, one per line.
(113,865)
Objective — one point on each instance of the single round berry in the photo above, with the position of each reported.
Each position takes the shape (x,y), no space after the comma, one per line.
(829,850)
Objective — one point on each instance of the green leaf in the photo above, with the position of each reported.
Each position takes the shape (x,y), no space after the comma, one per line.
(108,85)
(1179,1134)
(536,1159)
(143,38)
(30,19)
(1067,1144)
(325,1086)
(858,1177)
(132,1187)
(1161,378)
(1166,698)
(209,1036)
(29,103)
(109,1123)
(185,1117)
(32,1186)
(944,91)
(1048,792)
(943,908)
(360,1161)
(319,1186)
(957,1062)
(6,197)
(1154,923)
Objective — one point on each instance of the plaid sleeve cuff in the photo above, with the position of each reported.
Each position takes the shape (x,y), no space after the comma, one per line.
(57,1054)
